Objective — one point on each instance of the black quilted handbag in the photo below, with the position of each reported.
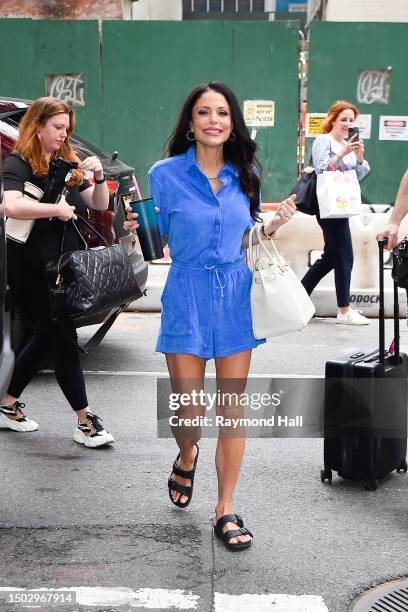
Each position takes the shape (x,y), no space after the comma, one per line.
(92,280)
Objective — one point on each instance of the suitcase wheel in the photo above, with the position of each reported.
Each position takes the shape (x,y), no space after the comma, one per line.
(326,474)
(403,467)
(371,485)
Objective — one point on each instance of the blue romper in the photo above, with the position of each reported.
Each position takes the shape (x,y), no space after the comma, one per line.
(206,304)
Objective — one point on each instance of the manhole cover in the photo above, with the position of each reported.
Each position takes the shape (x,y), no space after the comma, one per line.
(388,597)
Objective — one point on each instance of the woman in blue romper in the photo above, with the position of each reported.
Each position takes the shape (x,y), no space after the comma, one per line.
(207,192)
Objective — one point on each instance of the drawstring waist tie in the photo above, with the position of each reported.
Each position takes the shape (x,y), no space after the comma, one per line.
(219,278)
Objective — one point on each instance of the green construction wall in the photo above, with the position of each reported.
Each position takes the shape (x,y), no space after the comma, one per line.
(138,73)
(338,51)
(149,67)
(138,77)
(30,49)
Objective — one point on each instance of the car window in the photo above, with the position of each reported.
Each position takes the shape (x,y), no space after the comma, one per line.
(9,132)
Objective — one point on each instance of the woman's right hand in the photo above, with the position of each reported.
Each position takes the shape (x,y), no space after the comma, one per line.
(131,224)
(65,212)
(353,145)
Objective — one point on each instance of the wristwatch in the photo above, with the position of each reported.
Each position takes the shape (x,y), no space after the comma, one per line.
(100,181)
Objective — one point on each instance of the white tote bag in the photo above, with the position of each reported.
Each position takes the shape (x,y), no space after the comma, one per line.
(338,194)
(279,302)
(20,229)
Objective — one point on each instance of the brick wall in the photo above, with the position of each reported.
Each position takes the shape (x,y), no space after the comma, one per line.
(62,9)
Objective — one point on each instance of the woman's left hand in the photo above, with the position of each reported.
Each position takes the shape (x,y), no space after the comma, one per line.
(284,214)
(93,164)
(131,224)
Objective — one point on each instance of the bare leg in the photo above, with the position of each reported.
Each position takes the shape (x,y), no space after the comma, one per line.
(187,375)
(8,400)
(231,443)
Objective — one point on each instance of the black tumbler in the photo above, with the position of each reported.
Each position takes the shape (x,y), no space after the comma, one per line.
(148,230)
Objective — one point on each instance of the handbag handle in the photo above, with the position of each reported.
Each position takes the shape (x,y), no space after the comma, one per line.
(255,253)
(331,167)
(89,226)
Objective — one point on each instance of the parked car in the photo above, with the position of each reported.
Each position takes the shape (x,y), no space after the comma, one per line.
(108,223)
(6,354)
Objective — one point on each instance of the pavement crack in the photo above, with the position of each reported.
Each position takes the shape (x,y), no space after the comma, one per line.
(212,602)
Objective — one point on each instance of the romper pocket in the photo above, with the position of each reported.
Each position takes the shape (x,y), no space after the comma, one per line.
(176,309)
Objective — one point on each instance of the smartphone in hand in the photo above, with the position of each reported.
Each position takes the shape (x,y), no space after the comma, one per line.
(353,131)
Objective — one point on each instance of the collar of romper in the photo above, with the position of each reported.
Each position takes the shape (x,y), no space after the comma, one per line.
(192,163)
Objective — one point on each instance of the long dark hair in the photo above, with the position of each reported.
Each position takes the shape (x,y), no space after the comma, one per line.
(240,151)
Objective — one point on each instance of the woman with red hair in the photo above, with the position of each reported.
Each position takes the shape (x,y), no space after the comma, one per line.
(44,134)
(332,146)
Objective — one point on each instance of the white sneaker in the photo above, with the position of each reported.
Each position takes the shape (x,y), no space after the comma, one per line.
(12,417)
(91,432)
(352,317)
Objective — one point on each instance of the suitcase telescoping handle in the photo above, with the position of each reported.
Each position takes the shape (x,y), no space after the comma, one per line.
(381,320)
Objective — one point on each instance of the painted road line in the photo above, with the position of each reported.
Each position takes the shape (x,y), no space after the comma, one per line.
(158,599)
(165,374)
(164,599)
(268,602)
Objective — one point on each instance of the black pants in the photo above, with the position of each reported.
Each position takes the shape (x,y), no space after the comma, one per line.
(337,255)
(58,339)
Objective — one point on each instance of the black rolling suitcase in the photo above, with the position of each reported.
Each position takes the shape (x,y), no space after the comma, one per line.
(358,403)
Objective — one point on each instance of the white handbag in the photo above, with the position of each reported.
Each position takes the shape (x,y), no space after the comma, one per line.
(279,302)
(338,194)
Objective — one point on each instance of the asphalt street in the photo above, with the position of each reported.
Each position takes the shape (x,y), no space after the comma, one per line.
(100,520)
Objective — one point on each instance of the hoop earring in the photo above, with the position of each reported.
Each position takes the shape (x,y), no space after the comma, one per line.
(189,138)
(232,137)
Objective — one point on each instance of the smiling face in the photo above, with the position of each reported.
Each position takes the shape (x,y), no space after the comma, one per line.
(211,119)
(53,133)
(344,120)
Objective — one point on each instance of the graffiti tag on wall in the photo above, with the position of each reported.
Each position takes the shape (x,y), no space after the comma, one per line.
(66,87)
(374,86)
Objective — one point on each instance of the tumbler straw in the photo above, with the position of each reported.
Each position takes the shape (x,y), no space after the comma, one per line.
(139,195)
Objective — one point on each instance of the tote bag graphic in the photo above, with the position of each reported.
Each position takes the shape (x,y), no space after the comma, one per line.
(338,194)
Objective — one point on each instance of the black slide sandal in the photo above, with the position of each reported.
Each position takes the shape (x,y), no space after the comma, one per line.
(186,490)
(226,536)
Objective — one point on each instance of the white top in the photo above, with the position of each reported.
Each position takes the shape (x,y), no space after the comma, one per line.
(325,148)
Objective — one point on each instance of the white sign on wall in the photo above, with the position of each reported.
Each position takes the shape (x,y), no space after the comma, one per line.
(364,123)
(259,113)
(393,127)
